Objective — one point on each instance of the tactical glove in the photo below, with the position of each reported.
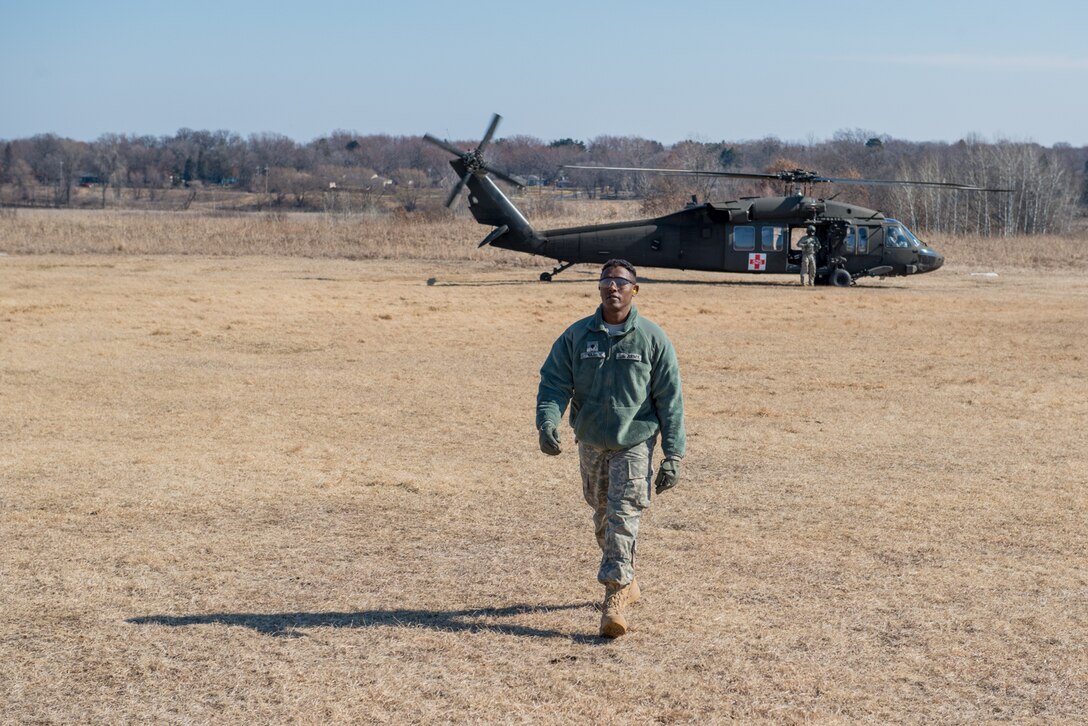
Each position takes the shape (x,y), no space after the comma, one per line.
(667,475)
(549,439)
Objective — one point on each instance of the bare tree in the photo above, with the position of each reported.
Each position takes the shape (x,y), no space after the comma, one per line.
(7,162)
(1049,183)
(1042,200)
(55,161)
(108,162)
(286,181)
(411,185)
(26,183)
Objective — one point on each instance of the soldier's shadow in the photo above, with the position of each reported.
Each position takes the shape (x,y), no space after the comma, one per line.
(289,625)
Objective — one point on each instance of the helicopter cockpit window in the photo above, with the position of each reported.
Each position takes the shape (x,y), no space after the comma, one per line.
(744,238)
(851,242)
(913,241)
(772,238)
(863,240)
(897,235)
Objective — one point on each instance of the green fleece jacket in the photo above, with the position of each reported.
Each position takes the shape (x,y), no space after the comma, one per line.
(622,389)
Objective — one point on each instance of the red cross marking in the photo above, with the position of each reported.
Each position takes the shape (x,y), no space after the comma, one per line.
(757,261)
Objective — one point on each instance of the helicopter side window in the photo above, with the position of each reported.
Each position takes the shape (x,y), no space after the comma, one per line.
(863,241)
(744,238)
(851,240)
(772,239)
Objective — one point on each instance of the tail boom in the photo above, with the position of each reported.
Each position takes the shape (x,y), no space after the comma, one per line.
(491,207)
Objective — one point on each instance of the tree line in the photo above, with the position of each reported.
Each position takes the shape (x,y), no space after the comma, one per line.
(1049,184)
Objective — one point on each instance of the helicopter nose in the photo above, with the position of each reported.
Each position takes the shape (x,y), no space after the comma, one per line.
(929,260)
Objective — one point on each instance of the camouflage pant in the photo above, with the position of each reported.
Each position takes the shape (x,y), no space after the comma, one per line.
(617,485)
(808,270)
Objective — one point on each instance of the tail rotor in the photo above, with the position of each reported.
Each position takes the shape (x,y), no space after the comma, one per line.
(472,162)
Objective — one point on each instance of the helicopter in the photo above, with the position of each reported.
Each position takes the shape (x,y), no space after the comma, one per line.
(756,235)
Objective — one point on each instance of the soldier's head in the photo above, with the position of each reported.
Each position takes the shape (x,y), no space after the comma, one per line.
(811,229)
(618,286)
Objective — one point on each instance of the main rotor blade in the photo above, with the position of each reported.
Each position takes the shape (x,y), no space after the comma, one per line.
(516,180)
(677,172)
(457,189)
(444,145)
(797,176)
(490,131)
(909,183)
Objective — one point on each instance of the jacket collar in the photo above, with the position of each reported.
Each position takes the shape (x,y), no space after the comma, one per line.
(597,323)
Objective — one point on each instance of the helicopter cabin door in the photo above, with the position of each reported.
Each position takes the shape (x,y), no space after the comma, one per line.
(756,247)
(863,247)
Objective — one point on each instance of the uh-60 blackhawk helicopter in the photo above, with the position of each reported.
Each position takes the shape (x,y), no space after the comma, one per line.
(752,234)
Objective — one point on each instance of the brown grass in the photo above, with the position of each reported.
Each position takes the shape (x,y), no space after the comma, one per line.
(307,490)
(443,235)
(1038,252)
(394,236)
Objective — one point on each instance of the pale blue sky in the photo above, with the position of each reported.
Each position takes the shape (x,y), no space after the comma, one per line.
(920,70)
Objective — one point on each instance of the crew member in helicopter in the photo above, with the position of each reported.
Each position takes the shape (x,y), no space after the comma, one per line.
(808,244)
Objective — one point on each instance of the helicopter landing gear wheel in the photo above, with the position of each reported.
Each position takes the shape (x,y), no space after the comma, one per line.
(841,278)
(547,276)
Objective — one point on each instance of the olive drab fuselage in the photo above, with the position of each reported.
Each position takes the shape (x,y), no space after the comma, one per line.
(752,235)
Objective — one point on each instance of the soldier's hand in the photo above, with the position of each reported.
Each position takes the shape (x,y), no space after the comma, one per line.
(549,440)
(667,475)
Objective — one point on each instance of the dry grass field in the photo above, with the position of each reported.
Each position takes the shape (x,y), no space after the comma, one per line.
(290,487)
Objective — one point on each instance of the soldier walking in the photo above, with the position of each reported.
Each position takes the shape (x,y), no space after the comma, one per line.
(808,245)
(619,373)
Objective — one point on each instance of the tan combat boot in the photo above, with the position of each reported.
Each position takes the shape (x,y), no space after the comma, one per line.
(613,624)
(636,593)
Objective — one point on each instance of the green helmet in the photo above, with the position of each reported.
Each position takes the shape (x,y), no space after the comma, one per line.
(811,229)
